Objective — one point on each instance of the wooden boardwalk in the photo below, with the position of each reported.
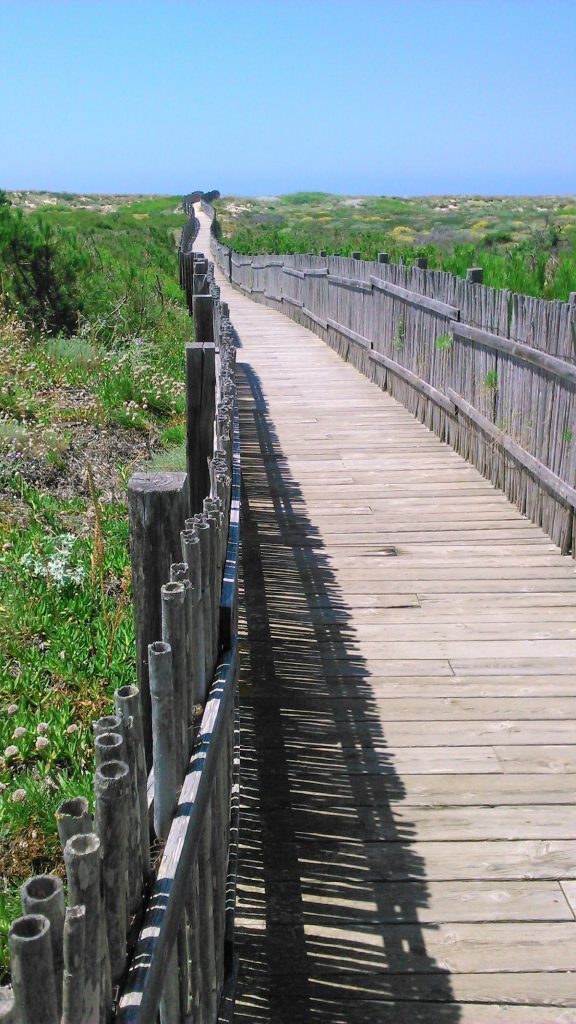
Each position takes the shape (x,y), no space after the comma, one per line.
(409,714)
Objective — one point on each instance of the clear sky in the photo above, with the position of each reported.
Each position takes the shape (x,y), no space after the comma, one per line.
(401,97)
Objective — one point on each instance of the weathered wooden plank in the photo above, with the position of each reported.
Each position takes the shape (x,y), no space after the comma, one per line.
(416,299)
(292,272)
(516,349)
(416,382)
(397,902)
(353,283)
(316,319)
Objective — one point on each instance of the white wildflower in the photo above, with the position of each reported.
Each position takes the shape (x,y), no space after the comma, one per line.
(18,795)
(42,727)
(41,742)
(11,751)
(18,733)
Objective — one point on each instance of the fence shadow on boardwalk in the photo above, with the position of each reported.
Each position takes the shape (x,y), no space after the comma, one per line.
(321,932)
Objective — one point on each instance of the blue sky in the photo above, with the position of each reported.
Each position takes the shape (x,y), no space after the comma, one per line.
(401,97)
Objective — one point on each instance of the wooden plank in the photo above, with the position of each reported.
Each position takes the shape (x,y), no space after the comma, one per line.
(316,319)
(430,824)
(292,272)
(416,382)
(455,947)
(396,902)
(416,299)
(353,283)
(518,350)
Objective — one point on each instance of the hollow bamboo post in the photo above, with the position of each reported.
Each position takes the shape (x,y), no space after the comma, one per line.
(158,504)
(163,732)
(173,596)
(383,257)
(129,708)
(192,555)
(33,978)
(107,723)
(421,262)
(111,819)
(179,573)
(82,857)
(109,746)
(170,999)
(73,818)
(209,999)
(44,894)
(203,530)
(74,960)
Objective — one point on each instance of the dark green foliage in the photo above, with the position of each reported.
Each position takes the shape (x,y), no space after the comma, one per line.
(39,274)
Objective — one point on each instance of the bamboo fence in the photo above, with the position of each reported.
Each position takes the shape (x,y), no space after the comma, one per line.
(147,932)
(492,372)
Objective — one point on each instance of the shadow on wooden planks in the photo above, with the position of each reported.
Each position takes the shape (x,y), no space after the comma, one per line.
(323,931)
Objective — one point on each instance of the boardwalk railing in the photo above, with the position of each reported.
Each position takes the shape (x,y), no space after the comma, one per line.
(491,372)
(148,930)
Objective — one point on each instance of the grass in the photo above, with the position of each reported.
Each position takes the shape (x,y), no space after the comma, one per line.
(526,244)
(76,414)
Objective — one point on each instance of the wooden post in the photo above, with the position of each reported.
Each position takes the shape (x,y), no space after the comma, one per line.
(44,895)
(73,818)
(421,262)
(74,958)
(475,275)
(355,255)
(165,759)
(323,252)
(158,505)
(111,819)
(128,708)
(203,318)
(174,634)
(82,857)
(32,970)
(572,299)
(383,257)
(200,412)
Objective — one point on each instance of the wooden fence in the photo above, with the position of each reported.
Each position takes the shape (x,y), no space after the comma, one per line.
(491,372)
(148,930)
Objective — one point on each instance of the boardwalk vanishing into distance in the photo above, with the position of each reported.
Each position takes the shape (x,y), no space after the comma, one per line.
(408,849)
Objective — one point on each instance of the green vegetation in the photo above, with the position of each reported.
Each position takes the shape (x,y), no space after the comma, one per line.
(444,342)
(85,395)
(491,381)
(526,244)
